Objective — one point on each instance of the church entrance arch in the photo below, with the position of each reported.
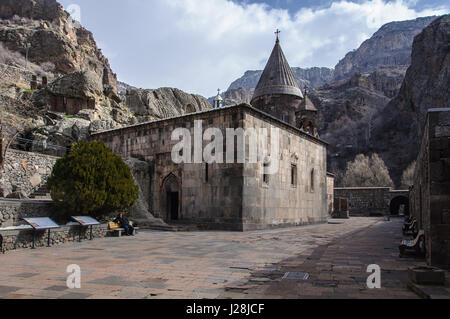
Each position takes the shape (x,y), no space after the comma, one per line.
(399,206)
(171,198)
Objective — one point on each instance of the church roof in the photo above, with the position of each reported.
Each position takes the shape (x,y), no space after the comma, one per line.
(244,106)
(277,77)
(307,104)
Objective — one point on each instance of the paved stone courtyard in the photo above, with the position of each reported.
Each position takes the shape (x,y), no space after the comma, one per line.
(195,265)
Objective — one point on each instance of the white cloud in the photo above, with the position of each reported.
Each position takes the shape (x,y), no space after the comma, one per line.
(200,45)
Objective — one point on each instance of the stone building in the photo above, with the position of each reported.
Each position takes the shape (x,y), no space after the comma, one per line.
(72,93)
(235,195)
(430,195)
(330,192)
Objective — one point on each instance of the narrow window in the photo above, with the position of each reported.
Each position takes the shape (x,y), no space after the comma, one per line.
(265,175)
(312,180)
(294,175)
(206,173)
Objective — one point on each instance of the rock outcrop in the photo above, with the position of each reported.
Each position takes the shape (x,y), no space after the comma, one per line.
(389,46)
(44,27)
(79,95)
(398,127)
(346,111)
(162,103)
(78,85)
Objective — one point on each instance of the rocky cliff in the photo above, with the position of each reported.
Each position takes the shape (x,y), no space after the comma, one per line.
(45,28)
(148,105)
(312,77)
(346,112)
(389,46)
(79,95)
(352,98)
(398,127)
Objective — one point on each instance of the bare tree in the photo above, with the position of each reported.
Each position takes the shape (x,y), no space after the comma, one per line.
(367,172)
(408,176)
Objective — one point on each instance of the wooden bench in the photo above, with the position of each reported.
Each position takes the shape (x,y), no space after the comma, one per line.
(410,229)
(417,245)
(117,232)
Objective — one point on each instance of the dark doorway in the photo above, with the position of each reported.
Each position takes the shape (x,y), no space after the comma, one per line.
(399,206)
(171,199)
(173,205)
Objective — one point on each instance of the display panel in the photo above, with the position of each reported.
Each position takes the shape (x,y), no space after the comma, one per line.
(85,220)
(41,223)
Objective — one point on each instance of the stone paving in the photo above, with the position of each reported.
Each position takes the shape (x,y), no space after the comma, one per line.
(195,265)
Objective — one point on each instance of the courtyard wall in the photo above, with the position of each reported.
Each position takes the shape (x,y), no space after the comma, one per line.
(365,201)
(430,195)
(25,171)
(23,238)
(12,212)
(374,201)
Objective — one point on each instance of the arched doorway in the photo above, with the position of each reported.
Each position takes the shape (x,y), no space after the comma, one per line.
(399,206)
(171,198)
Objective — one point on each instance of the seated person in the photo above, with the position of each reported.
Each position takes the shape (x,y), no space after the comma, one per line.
(125,224)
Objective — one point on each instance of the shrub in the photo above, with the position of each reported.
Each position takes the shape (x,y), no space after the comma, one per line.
(367,172)
(92,180)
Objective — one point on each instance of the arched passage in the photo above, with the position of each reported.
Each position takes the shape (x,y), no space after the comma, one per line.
(171,198)
(399,205)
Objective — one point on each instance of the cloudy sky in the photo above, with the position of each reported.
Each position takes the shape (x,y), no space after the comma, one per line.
(201,45)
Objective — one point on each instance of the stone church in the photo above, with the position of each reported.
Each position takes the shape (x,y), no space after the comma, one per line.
(237,196)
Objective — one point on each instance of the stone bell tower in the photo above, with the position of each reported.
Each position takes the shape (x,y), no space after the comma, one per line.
(277,92)
(306,116)
(218,101)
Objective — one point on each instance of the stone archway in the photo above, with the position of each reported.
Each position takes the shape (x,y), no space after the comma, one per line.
(398,205)
(171,198)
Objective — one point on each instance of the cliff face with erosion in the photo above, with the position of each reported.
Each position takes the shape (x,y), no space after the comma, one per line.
(398,128)
(148,105)
(389,46)
(44,27)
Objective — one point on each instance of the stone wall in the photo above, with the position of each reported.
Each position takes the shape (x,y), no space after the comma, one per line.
(330,193)
(227,196)
(366,201)
(25,171)
(430,195)
(12,212)
(19,239)
(280,201)
(13,74)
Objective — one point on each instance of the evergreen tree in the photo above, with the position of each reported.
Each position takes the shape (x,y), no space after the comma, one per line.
(92,180)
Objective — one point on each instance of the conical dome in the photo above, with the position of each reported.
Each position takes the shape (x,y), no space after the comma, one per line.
(277,77)
(308,105)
